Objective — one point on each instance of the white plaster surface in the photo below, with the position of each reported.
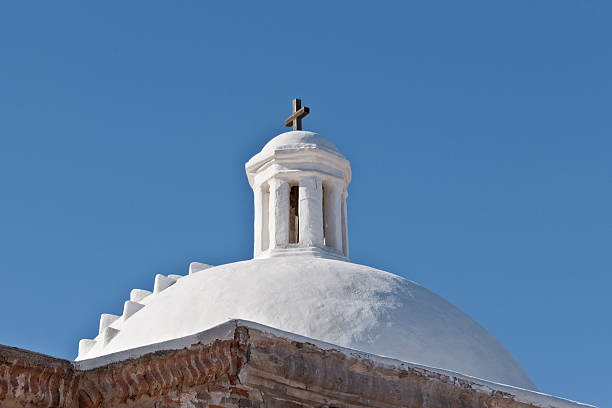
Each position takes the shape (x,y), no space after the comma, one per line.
(333,215)
(106,319)
(162,283)
(196,267)
(334,301)
(308,161)
(85,345)
(299,139)
(107,335)
(130,307)
(279,213)
(138,294)
(311,212)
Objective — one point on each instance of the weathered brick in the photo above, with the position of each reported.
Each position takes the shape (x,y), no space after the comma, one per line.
(252,370)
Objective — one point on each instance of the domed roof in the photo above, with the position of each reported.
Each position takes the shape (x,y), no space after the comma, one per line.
(299,139)
(338,302)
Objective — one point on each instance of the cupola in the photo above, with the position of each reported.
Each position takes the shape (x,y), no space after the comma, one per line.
(299,181)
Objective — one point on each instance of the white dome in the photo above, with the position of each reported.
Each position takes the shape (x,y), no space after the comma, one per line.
(298,139)
(334,301)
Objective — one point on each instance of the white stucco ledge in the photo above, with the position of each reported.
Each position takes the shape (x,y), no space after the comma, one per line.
(226,331)
(195,267)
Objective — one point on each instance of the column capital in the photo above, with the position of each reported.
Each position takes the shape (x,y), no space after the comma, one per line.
(277,182)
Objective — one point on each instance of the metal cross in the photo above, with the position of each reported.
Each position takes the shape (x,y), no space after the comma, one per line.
(295,119)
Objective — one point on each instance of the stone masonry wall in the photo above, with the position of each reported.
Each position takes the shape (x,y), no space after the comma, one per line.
(255,369)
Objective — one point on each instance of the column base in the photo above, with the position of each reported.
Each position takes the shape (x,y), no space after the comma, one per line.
(317,252)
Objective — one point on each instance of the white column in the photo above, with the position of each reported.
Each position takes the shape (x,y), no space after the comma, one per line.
(258,221)
(333,215)
(310,211)
(279,213)
(345,245)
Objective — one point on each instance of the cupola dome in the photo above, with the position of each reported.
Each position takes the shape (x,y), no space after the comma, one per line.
(299,139)
(301,281)
(300,181)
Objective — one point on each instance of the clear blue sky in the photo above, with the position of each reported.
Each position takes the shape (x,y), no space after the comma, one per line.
(479,135)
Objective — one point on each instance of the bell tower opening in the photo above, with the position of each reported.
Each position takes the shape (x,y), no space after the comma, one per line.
(294,217)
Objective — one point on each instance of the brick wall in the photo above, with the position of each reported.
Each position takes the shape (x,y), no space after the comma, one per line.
(254,369)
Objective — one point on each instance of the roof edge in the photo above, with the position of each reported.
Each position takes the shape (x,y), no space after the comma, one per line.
(227,330)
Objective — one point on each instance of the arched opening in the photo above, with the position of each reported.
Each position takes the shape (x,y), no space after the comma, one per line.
(294,217)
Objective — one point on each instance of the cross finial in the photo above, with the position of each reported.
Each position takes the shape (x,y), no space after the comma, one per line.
(295,119)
